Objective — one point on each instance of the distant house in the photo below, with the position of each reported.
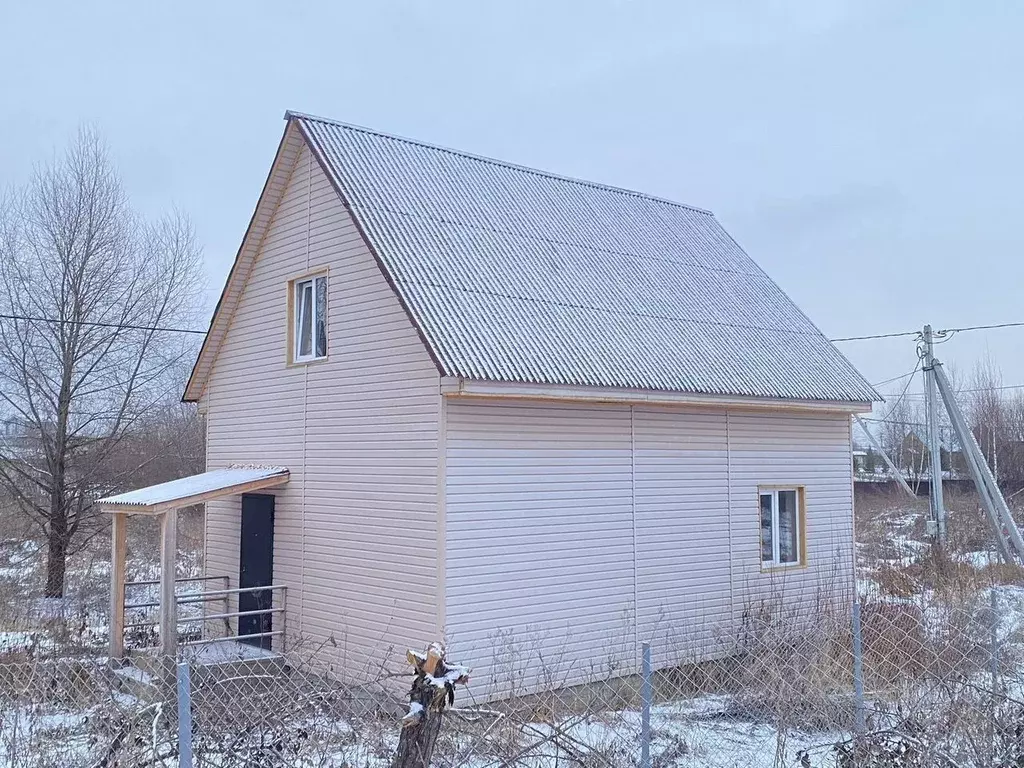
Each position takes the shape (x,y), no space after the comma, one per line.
(503,403)
(914,455)
(860,460)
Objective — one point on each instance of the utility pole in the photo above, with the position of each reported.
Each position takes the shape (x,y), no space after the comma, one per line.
(934,441)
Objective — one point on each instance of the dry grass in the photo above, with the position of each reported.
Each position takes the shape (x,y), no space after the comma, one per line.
(32,626)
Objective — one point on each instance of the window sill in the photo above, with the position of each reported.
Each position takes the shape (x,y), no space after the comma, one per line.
(777,567)
(307,361)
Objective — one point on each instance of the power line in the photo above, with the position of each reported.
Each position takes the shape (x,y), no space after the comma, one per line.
(162,329)
(903,394)
(894,378)
(877,336)
(894,421)
(982,327)
(899,422)
(944,330)
(975,389)
(120,326)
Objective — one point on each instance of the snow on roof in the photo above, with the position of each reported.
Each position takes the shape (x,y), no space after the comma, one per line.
(195,488)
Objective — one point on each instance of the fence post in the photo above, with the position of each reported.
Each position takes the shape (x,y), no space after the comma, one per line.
(184,716)
(993,658)
(646,695)
(859,723)
(993,661)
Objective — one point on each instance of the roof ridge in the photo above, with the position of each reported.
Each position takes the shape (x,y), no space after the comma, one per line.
(291,114)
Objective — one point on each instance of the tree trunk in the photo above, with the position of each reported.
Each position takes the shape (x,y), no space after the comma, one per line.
(416,743)
(57,553)
(433,687)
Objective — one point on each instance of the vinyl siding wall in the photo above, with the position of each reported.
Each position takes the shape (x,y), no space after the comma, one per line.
(356,526)
(539,536)
(575,532)
(812,450)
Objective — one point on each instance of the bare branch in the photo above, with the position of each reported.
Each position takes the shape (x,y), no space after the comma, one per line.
(73,250)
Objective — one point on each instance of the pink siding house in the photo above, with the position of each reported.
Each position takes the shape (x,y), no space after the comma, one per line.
(516,410)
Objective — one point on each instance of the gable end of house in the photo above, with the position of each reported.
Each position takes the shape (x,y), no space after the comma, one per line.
(288,152)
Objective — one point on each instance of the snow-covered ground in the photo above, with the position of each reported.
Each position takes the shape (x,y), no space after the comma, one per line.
(690,730)
(697,733)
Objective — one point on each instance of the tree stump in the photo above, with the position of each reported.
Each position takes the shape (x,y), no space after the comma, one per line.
(433,688)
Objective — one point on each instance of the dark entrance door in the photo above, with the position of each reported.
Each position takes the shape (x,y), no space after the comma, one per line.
(256,566)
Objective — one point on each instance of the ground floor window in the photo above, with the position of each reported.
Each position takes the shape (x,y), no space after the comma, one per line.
(782,526)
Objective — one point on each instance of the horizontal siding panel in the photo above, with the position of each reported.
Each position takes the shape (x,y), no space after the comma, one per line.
(558,514)
(538,526)
(682,513)
(814,451)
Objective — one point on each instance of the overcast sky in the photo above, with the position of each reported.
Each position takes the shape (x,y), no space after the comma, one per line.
(866,154)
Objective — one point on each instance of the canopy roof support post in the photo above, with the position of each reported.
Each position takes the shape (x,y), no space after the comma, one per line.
(118,556)
(168,606)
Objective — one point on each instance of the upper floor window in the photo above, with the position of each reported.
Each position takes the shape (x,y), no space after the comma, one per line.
(309,315)
(782,527)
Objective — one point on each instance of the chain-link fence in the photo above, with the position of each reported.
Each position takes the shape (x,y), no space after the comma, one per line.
(935,678)
(74,712)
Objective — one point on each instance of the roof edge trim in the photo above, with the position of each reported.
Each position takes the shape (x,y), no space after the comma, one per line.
(455,387)
(317,151)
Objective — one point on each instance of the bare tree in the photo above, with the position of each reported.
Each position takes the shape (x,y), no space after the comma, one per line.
(86,287)
(899,434)
(167,443)
(987,411)
(996,417)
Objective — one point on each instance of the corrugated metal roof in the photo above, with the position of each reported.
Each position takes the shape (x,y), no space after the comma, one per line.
(516,275)
(195,488)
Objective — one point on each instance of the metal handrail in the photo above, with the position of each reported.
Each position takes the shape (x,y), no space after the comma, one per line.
(209,640)
(234,614)
(208,617)
(241,590)
(182,580)
(205,597)
(224,595)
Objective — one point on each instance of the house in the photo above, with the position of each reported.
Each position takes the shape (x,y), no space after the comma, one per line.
(526,413)
(914,455)
(861,460)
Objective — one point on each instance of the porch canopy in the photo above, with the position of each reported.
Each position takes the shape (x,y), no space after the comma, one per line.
(164,501)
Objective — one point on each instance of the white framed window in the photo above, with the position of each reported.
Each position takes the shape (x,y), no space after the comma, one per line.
(782,527)
(309,318)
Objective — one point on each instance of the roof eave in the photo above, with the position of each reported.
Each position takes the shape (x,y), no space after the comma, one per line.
(457,387)
(276,480)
